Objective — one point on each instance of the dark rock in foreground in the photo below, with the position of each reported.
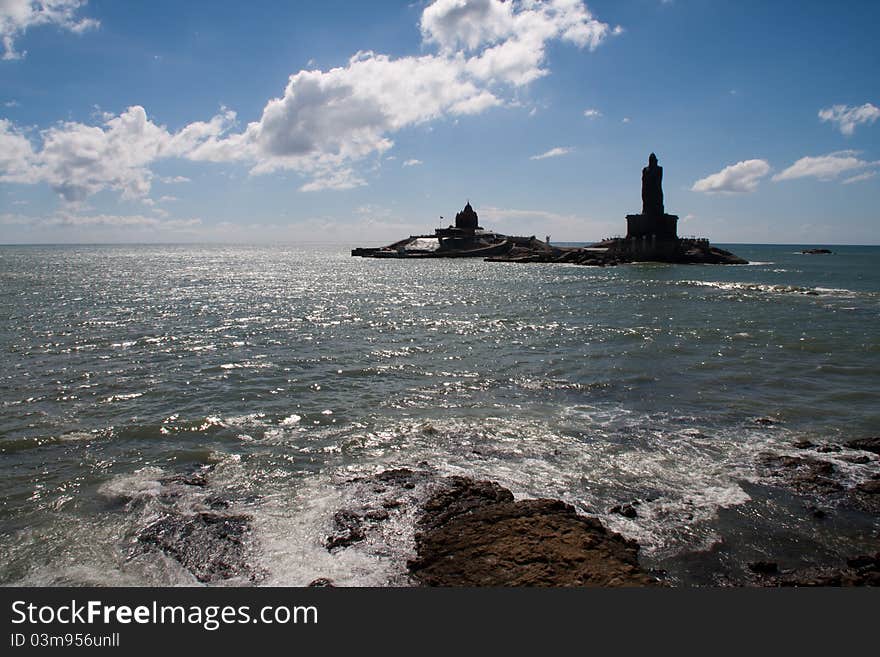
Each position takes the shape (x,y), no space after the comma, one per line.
(208,544)
(196,529)
(862,570)
(474,534)
(867,444)
(820,479)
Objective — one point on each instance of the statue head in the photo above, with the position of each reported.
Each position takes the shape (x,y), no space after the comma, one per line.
(652,160)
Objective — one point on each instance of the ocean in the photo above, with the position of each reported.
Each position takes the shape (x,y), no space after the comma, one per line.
(277,373)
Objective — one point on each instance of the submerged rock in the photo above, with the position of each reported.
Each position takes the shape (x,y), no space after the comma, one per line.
(210,545)
(626,510)
(818,478)
(194,527)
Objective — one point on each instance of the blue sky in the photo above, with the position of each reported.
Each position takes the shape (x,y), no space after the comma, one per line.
(360,122)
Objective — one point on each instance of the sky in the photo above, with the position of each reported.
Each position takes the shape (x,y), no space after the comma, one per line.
(364,122)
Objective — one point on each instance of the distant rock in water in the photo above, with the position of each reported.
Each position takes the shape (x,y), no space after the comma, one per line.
(465,239)
(816,251)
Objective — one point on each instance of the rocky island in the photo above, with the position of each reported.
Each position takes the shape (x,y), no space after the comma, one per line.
(651,236)
(465,239)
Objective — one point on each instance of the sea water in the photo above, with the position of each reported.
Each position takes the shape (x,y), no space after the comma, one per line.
(290,368)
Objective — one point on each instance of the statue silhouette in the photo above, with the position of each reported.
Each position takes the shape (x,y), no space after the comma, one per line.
(652,188)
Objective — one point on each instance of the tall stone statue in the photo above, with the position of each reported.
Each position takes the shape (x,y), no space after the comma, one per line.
(652,188)
(653,223)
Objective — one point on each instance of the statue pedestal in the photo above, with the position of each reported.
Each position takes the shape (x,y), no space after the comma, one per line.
(661,227)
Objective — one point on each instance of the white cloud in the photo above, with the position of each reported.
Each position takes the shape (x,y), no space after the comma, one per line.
(626,119)
(173,180)
(11,103)
(333,179)
(847,118)
(79,160)
(468,24)
(737,178)
(592,113)
(412,163)
(65,219)
(324,122)
(867,175)
(825,167)
(16,154)
(18,16)
(553,152)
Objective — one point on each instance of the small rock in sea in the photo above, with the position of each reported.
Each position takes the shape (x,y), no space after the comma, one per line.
(864,561)
(348,530)
(871,487)
(816,512)
(764,421)
(825,449)
(861,459)
(803,444)
(764,567)
(867,444)
(322,582)
(216,502)
(376,515)
(626,510)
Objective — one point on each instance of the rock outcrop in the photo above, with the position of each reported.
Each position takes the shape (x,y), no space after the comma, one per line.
(472,533)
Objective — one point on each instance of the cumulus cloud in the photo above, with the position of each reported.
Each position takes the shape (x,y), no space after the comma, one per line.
(79,160)
(325,122)
(412,163)
(16,154)
(467,24)
(592,113)
(553,152)
(737,178)
(846,118)
(825,167)
(18,16)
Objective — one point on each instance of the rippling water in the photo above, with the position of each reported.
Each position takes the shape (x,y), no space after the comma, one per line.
(289,368)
